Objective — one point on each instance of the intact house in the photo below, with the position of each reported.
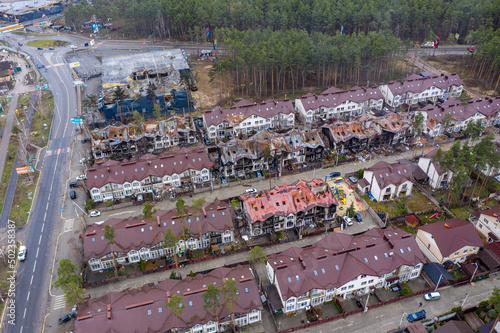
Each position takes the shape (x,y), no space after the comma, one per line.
(156,174)
(334,103)
(288,206)
(438,177)
(486,223)
(144,309)
(415,89)
(343,266)
(486,110)
(387,181)
(241,157)
(136,238)
(130,140)
(450,240)
(246,117)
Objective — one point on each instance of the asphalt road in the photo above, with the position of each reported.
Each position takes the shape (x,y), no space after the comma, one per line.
(32,295)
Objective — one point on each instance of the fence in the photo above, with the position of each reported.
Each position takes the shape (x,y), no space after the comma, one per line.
(372,213)
(350,313)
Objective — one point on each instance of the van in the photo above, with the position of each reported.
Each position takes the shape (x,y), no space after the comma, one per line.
(434,296)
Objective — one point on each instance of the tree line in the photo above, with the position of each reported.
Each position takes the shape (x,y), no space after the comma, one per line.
(267,62)
(485,64)
(408,19)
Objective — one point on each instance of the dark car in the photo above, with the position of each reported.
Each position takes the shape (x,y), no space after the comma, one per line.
(417,316)
(358,303)
(358,217)
(39,48)
(73,185)
(335,174)
(72,194)
(51,48)
(66,318)
(85,140)
(20,44)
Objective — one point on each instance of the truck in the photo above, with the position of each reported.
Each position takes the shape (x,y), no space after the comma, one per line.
(417,316)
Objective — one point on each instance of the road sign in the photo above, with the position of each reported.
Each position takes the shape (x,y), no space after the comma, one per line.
(77,120)
(78,83)
(74,64)
(24,170)
(92,42)
(95,27)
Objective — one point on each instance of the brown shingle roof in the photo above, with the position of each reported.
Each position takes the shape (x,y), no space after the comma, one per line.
(333,97)
(417,84)
(148,165)
(452,235)
(395,173)
(144,309)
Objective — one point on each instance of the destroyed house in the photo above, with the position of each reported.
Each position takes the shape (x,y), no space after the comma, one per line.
(289,206)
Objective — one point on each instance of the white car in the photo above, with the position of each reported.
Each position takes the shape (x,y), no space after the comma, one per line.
(347,220)
(74,47)
(251,191)
(81,177)
(94,213)
(83,160)
(21,255)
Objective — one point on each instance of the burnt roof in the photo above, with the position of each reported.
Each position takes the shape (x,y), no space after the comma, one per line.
(338,258)
(148,165)
(144,309)
(452,235)
(133,233)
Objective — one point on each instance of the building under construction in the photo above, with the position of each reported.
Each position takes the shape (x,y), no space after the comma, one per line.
(136,74)
(27,10)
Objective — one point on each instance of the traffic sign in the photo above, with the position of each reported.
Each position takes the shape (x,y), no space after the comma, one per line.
(77,120)
(92,42)
(24,170)
(78,83)
(74,64)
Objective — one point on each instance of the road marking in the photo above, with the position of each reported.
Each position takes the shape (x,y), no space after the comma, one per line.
(59,302)
(47,208)
(40,240)
(43,225)
(34,267)
(28,298)
(38,249)
(24,315)
(45,216)
(31,282)
(21,331)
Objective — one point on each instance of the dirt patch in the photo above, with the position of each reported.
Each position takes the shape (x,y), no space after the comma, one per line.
(207,95)
(47,43)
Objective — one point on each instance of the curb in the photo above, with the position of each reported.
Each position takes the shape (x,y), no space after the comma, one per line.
(3,313)
(53,264)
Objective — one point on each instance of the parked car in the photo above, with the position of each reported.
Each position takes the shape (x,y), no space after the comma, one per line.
(83,160)
(352,179)
(200,123)
(358,303)
(434,296)
(85,140)
(357,217)
(347,220)
(73,184)
(21,255)
(335,174)
(72,194)
(470,49)
(51,48)
(81,177)
(417,316)
(251,191)
(94,213)
(39,48)
(64,319)
(20,44)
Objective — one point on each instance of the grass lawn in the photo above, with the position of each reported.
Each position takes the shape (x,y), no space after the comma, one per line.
(47,43)
(21,205)
(418,202)
(406,228)
(7,170)
(39,131)
(462,212)
(387,207)
(457,275)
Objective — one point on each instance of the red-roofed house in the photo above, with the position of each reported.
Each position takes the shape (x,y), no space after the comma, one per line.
(416,89)
(246,117)
(387,181)
(336,103)
(438,177)
(289,206)
(147,174)
(136,239)
(450,240)
(342,265)
(486,222)
(144,309)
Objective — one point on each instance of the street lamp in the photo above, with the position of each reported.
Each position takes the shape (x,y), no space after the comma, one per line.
(437,285)
(402,317)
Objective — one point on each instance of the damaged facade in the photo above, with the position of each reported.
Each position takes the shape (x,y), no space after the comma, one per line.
(246,117)
(157,174)
(137,239)
(289,206)
(242,157)
(335,103)
(130,140)
(343,266)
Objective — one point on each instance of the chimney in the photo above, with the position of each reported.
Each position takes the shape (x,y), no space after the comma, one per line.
(108,169)
(158,220)
(149,162)
(391,254)
(109,311)
(186,156)
(204,211)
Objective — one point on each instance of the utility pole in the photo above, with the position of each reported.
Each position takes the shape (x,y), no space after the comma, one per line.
(470,285)
(366,304)
(437,285)
(402,317)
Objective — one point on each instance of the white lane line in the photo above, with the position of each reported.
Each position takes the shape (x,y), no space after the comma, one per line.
(21,331)
(28,298)
(45,216)
(24,315)
(34,267)
(38,249)
(31,282)
(47,205)
(43,225)
(40,240)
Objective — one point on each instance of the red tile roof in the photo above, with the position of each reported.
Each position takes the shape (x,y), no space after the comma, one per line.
(284,200)
(148,165)
(452,235)
(385,174)
(244,109)
(338,258)
(144,309)
(133,233)
(417,84)
(459,112)
(333,97)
